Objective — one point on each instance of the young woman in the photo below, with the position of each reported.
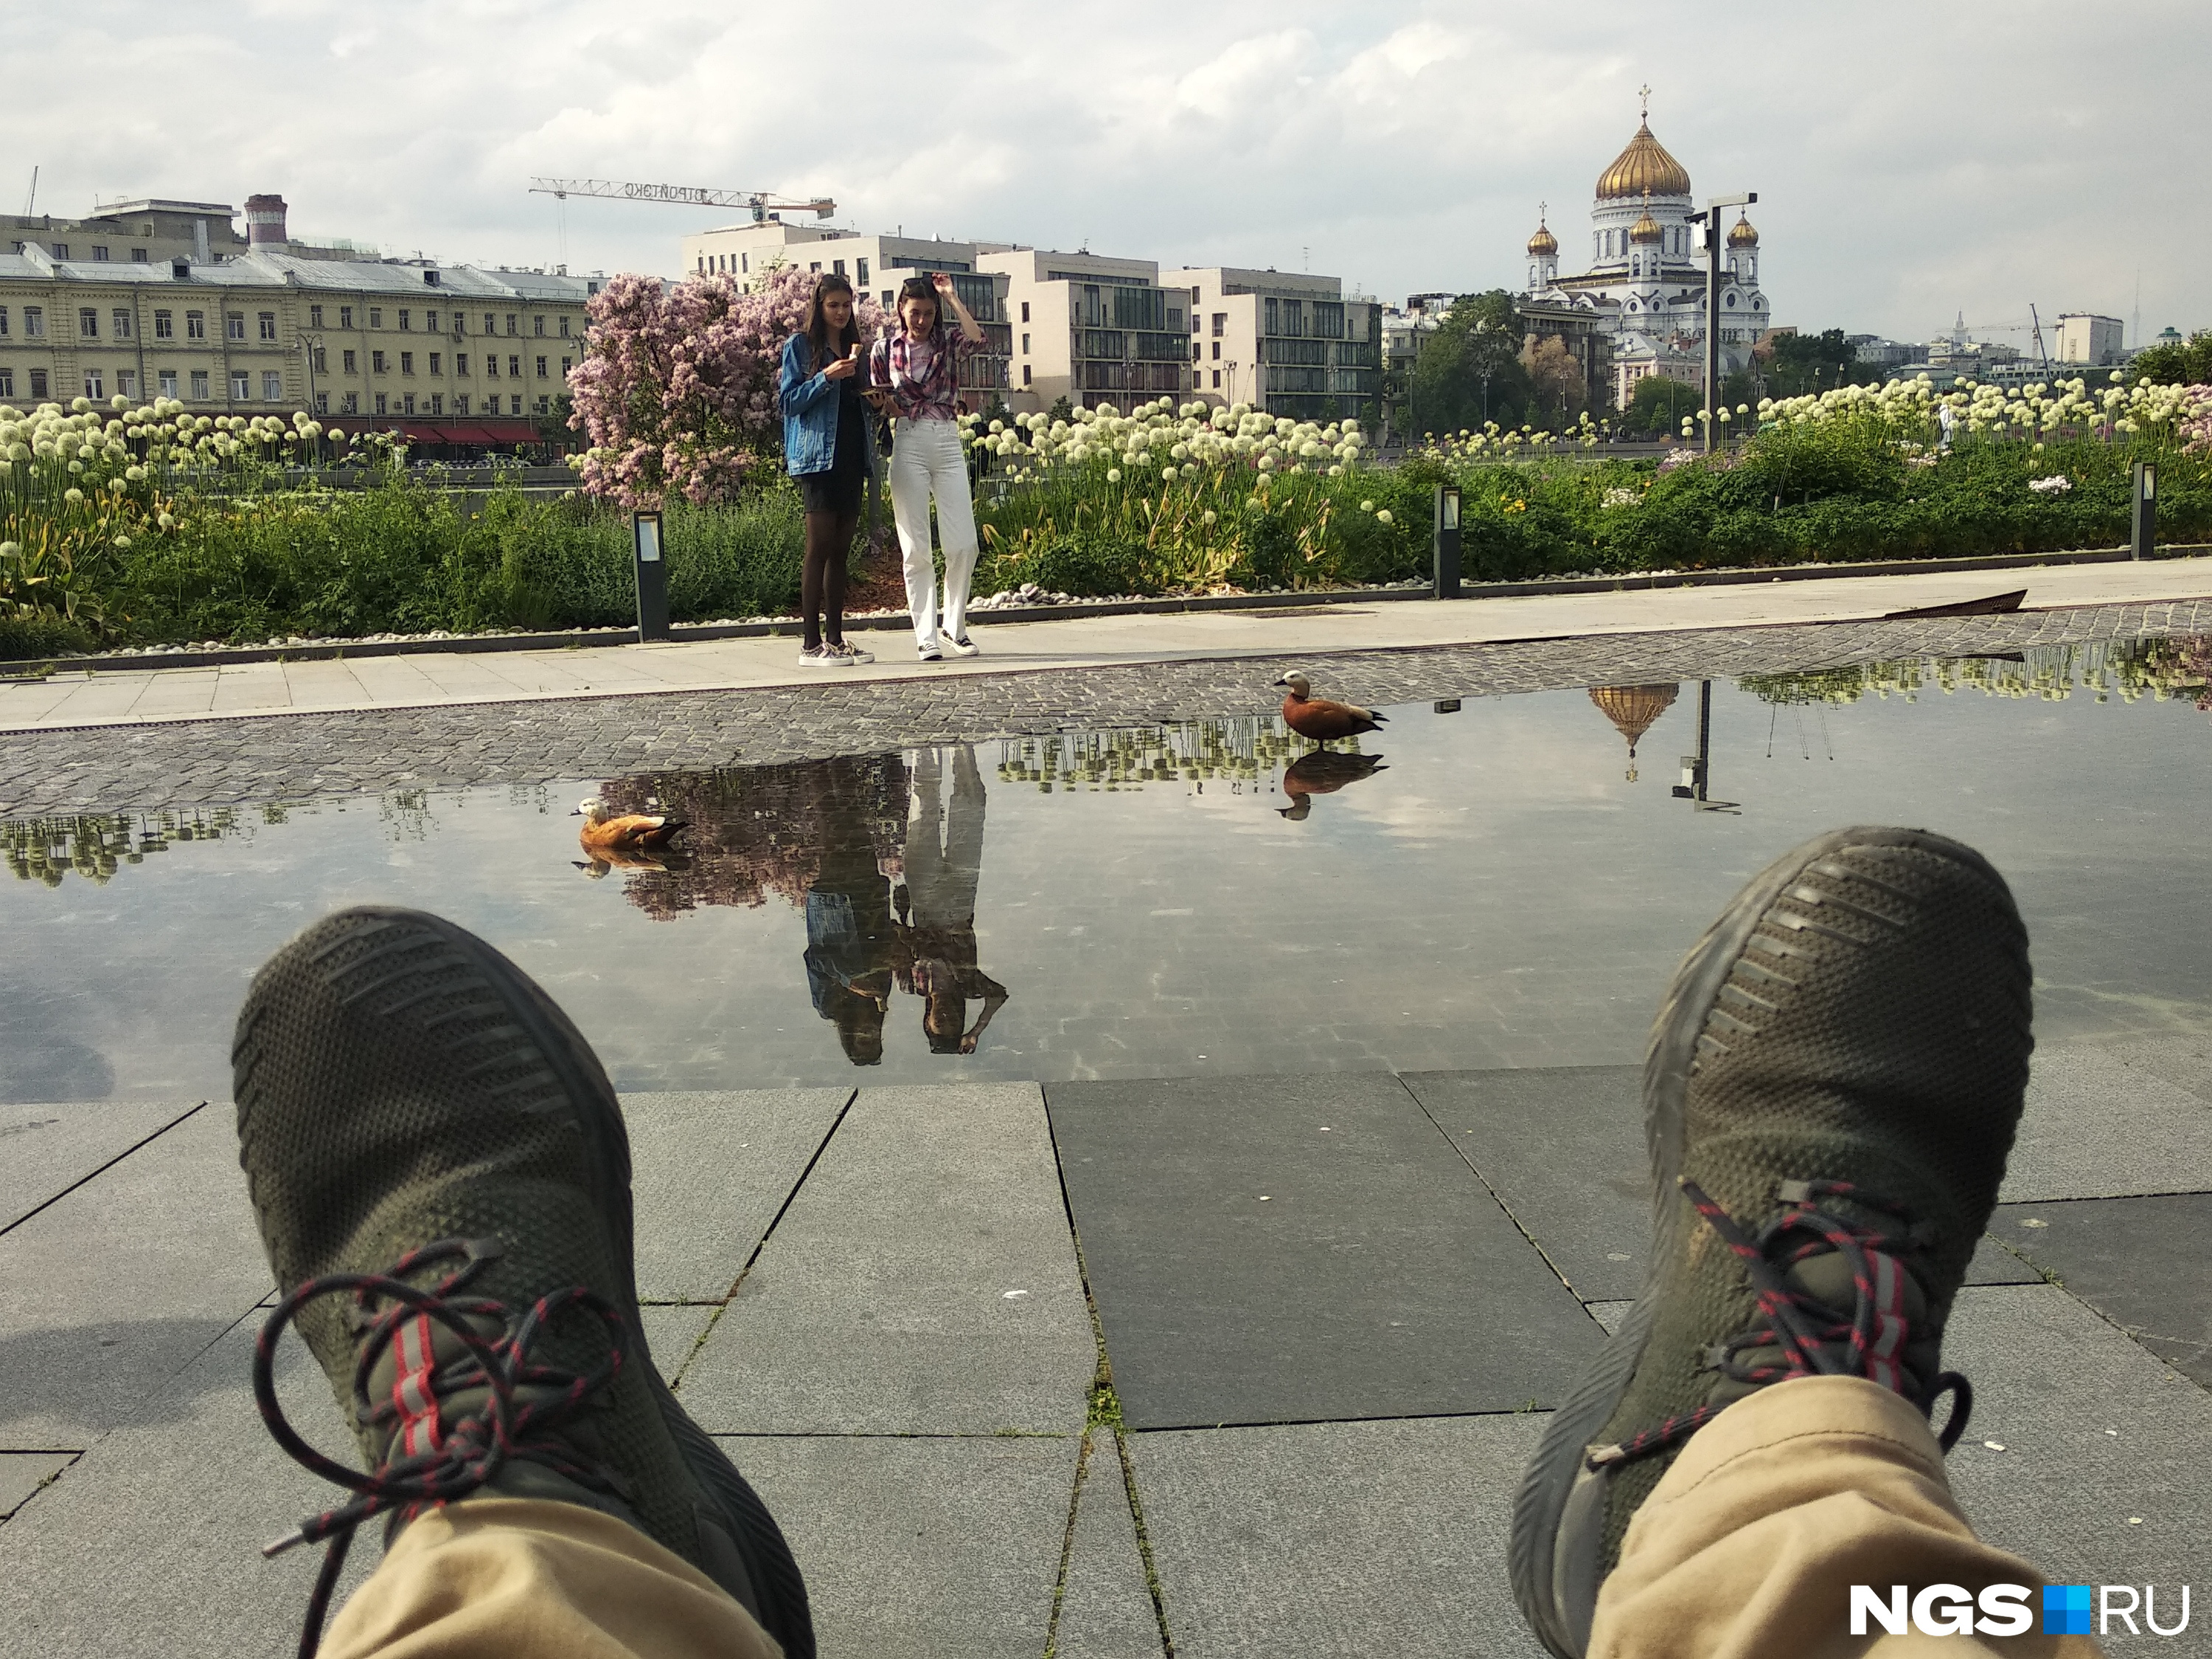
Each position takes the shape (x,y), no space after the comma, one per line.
(914,372)
(825,445)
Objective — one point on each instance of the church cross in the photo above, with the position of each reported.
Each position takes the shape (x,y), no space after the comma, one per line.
(1644,92)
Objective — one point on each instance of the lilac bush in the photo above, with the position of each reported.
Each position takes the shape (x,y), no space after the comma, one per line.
(676,390)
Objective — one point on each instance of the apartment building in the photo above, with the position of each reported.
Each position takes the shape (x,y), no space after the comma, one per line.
(875,265)
(1291,343)
(429,350)
(1092,329)
(154,230)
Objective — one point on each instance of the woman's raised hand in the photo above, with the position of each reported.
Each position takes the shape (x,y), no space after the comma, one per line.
(844,367)
(941,282)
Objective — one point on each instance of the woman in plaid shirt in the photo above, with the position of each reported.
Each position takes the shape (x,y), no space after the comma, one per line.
(914,373)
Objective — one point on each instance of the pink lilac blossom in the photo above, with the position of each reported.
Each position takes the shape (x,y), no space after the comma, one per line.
(678,388)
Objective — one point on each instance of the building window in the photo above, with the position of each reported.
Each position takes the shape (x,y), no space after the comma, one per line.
(510,322)
(430,321)
(61,250)
(267,320)
(376,316)
(407,403)
(38,383)
(345,316)
(491,364)
(200,385)
(544,404)
(1220,323)
(139,256)
(538,324)
(744,262)
(1217,379)
(406,362)
(1026,346)
(3,322)
(34,323)
(376,362)
(7,382)
(382,405)
(314,316)
(121,320)
(435,358)
(566,364)
(319,359)
(861,272)
(460,363)
(126,382)
(88,324)
(491,324)
(1025,374)
(241,384)
(351,361)
(164,324)
(272,386)
(541,368)
(461,403)
(234,324)
(322,403)
(167,380)
(437,402)
(196,326)
(99,252)
(1217,351)
(1025,311)
(565,321)
(406,319)
(514,403)
(513,367)
(352,402)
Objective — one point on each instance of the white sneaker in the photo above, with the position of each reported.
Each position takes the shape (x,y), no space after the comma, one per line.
(930,654)
(819,656)
(852,654)
(962,647)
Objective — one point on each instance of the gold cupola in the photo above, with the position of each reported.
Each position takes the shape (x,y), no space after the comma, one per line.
(1646,229)
(1543,244)
(1644,168)
(1741,234)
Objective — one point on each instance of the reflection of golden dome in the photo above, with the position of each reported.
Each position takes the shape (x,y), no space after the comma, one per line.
(1741,234)
(1633,708)
(1643,168)
(1543,242)
(1645,229)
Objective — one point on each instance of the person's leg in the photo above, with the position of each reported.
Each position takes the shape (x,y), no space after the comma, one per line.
(956,526)
(833,570)
(439,1171)
(910,514)
(1832,1087)
(820,532)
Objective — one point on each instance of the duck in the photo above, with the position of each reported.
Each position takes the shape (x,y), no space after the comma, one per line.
(1323,772)
(1318,718)
(607,832)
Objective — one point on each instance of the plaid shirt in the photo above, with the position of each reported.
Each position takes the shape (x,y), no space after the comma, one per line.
(932,396)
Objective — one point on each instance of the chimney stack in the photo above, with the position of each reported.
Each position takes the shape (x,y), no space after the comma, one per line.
(264,224)
(200,256)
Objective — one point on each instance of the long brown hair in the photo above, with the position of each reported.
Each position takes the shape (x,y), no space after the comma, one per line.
(919,288)
(817,325)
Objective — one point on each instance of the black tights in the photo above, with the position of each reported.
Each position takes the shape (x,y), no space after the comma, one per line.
(821,581)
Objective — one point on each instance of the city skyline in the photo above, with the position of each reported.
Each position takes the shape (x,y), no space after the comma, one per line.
(1977,161)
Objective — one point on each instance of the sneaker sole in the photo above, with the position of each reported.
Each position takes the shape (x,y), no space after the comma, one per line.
(1553,1591)
(547,1034)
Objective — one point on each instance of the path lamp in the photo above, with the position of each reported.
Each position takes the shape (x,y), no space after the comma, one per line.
(652,577)
(2142,543)
(1446,543)
(1708,226)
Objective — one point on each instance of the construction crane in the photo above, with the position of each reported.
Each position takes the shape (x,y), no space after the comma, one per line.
(762,202)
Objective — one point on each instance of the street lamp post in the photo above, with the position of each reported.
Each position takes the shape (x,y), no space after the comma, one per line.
(652,577)
(1709,221)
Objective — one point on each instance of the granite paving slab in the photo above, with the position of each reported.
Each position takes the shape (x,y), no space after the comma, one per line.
(1106,1609)
(117,1288)
(1337,1539)
(923,1281)
(2139,1261)
(2182,1058)
(920,1547)
(2101,1479)
(23,1474)
(2098,1127)
(1292,1249)
(672,1330)
(709,1172)
(45,1150)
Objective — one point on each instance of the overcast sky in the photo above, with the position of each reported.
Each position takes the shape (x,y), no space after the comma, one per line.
(1911,160)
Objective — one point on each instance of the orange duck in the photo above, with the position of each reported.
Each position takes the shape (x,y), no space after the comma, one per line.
(605,832)
(1320,719)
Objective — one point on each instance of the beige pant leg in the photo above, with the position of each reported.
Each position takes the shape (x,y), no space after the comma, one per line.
(1749,1546)
(522,1578)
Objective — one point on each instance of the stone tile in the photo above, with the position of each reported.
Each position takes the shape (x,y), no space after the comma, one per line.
(709,1172)
(2184,1061)
(2096,1128)
(1106,1609)
(1267,1249)
(1993,1264)
(22,1474)
(1563,1148)
(1337,1539)
(672,1330)
(46,1149)
(2139,1261)
(1608,1314)
(2050,1378)
(921,1548)
(111,1292)
(923,1281)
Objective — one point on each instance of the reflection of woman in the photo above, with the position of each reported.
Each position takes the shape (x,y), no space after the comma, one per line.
(943,864)
(848,927)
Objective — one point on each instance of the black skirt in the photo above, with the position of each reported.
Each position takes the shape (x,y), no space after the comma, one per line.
(839,489)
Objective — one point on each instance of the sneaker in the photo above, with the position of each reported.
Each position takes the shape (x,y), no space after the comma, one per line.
(441,1178)
(1830,1092)
(851,653)
(930,654)
(819,656)
(962,647)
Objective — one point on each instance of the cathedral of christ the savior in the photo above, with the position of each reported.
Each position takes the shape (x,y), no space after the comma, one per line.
(1645,287)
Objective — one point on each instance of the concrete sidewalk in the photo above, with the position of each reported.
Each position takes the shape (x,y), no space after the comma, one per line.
(153,695)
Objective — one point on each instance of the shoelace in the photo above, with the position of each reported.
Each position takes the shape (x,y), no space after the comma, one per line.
(429,1461)
(1812,1341)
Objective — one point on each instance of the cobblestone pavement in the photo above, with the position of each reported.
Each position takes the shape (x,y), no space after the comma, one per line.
(298,757)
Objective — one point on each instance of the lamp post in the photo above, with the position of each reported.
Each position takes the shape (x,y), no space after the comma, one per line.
(2143,540)
(652,577)
(1446,543)
(1708,224)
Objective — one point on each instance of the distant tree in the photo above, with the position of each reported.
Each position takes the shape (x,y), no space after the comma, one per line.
(1559,390)
(1470,370)
(1658,404)
(2183,363)
(1061,410)
(1796,364)
(554,428)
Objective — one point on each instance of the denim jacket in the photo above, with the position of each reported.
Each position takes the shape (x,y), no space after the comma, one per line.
(808,402)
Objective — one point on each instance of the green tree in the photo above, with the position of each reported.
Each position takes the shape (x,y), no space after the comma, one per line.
(1658,404)
(1470,370)
(1802,363)
(2183,363)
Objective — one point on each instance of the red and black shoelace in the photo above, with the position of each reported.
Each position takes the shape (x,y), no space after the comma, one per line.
(1799,1335)
(430,1459)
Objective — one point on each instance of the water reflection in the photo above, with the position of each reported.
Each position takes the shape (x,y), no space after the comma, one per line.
(1323,772)
(935,902)
(98,845)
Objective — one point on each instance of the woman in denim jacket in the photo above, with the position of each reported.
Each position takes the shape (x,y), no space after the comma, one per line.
(825,446)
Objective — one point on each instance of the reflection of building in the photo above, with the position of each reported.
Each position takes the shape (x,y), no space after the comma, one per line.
(1644,289)
(1634,710)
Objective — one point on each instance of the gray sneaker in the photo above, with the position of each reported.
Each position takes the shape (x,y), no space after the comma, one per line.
(1830,1093)
(819,656)
(851,653)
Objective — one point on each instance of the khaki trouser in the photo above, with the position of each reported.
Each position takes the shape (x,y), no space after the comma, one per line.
(1747,1550)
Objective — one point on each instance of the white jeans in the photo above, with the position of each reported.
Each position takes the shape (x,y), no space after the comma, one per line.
(927,460)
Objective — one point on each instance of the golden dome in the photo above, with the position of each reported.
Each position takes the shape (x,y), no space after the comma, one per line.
(1645,229)
(1741,234)
(1643,168)
(1543,242)
(1632,709)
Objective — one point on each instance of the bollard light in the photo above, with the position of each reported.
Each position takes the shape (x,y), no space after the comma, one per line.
(2142,539)
(1446,545)
(651,576)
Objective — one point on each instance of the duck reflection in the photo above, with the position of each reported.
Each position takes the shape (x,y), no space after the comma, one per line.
(936,901)
(1323,772)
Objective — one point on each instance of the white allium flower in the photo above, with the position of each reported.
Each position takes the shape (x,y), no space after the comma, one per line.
(1113,474)
(1384,517)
